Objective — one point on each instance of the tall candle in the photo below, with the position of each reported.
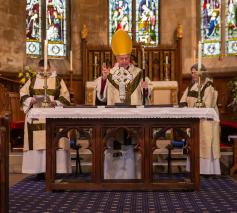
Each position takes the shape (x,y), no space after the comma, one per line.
(199,55)
(70,60)
(166,59)
(45,55)
(143,59)
(95,60)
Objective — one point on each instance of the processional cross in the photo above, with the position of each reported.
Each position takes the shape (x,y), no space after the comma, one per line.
(122,77)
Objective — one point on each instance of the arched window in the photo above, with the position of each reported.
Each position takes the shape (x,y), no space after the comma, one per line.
(213,20)
(140,18)
(211,27)
(147,25)
(120,16)
(46,19)
(33,28)
(231,27)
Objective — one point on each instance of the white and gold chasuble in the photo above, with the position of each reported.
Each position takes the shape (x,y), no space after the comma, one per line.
(133,89)
(35,135)
(209,130)
(125,83)
(34,156)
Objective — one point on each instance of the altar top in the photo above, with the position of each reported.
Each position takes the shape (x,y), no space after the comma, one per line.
(123,113)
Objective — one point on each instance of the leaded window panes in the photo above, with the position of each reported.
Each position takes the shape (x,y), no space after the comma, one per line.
(56,27)
(120,16)
(50,24)
(211,27)
(33,28)
(147,25)
(231,27)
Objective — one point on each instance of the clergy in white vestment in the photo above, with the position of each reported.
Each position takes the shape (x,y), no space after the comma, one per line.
(124,85)
(209,130)
(32,95)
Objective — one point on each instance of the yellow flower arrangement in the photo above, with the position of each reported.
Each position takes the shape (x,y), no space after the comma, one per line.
(26,74)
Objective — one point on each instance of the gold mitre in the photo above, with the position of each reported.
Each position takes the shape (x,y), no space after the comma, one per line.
(121,43)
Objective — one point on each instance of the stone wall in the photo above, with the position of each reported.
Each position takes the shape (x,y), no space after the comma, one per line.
(12,35)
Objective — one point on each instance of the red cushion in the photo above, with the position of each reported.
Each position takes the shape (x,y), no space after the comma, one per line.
(17,125)
(222,145)
(232,124)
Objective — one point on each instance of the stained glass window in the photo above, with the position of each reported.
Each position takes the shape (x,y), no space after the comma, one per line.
(33,27)
(211,27)
(56,27)
(231,27)
(147,22)
(120,16)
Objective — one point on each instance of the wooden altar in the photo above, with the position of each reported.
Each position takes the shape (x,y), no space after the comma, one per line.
(61,120)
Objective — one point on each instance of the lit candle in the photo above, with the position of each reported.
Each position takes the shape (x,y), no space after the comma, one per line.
(166,59)
(199,55)
(95,60)
(143,59)
(194,56)
(70,60)
(45,55)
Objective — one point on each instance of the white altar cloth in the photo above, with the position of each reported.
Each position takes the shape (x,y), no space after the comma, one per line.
(123,113)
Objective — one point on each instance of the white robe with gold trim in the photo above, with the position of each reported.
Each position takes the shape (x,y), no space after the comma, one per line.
(137,94)
(209,130)
(34,156)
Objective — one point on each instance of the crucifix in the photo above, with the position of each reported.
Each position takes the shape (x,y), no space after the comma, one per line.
(122,77)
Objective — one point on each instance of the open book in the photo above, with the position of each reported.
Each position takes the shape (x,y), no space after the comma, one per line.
(39,100)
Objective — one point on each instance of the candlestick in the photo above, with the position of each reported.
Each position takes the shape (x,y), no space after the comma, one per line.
(95,70)
(45,55)
(194,56)
(143,59)
(199,55)
(71,60)
(166,59)
(95,60)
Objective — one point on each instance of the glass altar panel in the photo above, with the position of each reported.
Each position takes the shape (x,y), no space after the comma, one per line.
(77,147)
(122,155)
(231,27)
(170,154)
(56,27)
(147,22)
(120,16)
(210,24)
(33,28)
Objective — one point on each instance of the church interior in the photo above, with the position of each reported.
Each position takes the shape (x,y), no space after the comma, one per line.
(148,137)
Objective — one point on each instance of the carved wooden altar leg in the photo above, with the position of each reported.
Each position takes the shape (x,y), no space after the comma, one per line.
(195,156)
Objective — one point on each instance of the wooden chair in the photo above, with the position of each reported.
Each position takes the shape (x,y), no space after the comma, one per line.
(4,97)
(11,104)
(164,92)
(17,122)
